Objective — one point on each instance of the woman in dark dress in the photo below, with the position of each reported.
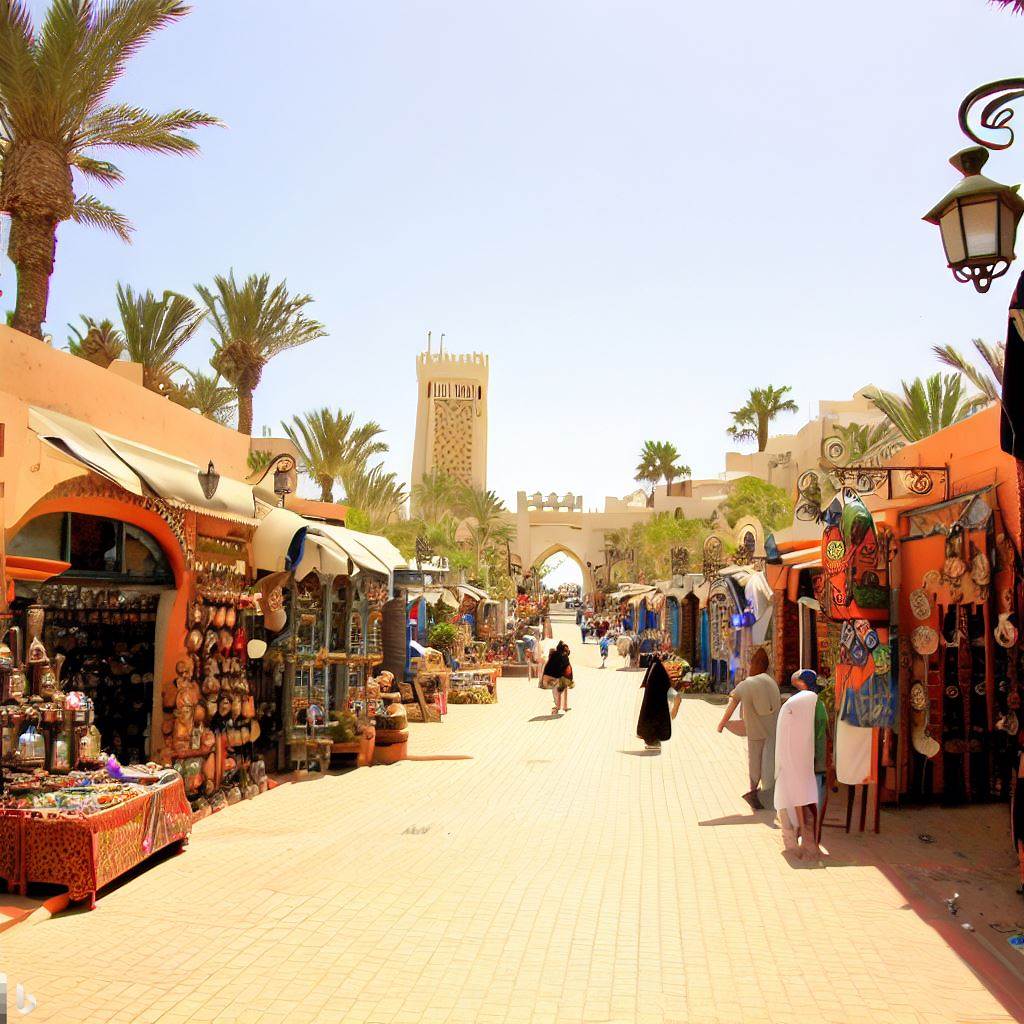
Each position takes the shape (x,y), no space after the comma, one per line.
(557,676)
(655,722)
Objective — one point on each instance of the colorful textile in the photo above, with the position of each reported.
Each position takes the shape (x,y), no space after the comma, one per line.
(84,853)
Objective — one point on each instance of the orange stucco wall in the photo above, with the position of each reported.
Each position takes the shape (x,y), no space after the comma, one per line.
(33,373)
(971,450)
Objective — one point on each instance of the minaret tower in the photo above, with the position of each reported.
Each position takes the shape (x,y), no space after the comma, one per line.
(451,416)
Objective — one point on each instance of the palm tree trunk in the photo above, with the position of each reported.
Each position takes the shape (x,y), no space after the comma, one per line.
(762,433)
(244,410)
(31,249)
(326,488)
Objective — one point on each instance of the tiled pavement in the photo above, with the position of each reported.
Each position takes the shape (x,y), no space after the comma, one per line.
(556,877)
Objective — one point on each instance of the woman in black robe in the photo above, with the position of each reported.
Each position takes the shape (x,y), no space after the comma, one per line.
(557,675)
(655,722)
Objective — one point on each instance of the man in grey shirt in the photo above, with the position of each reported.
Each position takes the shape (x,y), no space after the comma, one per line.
(758,696)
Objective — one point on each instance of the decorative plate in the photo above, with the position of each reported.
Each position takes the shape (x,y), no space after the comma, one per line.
(920,604)
(924,640)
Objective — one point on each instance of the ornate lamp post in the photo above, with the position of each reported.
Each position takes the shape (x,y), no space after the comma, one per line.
(284,477)
(978,221)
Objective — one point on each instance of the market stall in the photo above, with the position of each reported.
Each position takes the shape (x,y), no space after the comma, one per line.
(83,830)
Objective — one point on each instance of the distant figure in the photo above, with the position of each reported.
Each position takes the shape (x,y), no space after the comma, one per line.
(606,644)
(760,699)
(654,725)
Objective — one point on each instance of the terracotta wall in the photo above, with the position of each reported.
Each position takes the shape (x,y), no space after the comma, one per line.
(971,450)
(33,373)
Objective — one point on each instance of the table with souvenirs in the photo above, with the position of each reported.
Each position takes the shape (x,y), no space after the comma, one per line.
(83,829)
(474,684)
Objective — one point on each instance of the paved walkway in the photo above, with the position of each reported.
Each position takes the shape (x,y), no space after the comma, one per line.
(556,877)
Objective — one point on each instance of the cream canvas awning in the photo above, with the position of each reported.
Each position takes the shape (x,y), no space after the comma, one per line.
(80,443)
(140,469)
(177,480)
(367,551)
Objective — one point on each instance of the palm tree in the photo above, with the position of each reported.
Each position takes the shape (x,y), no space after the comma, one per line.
(751,420)
(154,331)
(659,459)
(102,343)
(53,84)
(377,495)
(254,322)
(862,441)
(927,405)
(486,510)
(205,393)
(332,447)
(434,498)
(988,378)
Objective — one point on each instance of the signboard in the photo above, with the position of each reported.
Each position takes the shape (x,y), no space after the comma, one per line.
(462,391)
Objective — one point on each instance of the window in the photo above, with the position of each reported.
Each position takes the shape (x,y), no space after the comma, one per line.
(40,538)
(95,546)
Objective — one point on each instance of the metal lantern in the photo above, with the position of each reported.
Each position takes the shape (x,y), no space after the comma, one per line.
(284,477)
(978,221)
(209,481)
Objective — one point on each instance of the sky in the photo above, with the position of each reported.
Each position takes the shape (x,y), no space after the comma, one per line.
(638,209)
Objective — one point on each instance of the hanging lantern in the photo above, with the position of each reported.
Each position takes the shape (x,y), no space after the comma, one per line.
(209,481)
(978,222)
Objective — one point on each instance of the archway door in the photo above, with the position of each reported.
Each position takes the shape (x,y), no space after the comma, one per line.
(561,549)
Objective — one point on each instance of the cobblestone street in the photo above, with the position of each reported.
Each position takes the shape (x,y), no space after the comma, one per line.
(555,877)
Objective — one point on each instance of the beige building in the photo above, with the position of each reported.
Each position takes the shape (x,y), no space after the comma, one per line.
(451,417)
(786,456)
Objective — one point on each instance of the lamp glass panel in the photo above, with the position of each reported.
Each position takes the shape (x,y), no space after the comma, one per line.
(1008,219)
(980,226)
(952,240)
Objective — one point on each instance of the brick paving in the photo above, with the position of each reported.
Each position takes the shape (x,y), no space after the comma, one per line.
(558,876)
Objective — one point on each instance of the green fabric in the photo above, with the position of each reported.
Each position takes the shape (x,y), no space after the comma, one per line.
(820,729)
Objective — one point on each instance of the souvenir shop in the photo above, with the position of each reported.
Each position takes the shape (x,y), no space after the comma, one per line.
(907,605)
(337,639)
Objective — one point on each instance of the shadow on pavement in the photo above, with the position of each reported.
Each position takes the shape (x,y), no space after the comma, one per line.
(754,818)
(642,753)
(545,718)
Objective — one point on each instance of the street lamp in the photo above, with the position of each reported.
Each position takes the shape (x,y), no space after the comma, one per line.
(981,215)
(284,477)
(978,221)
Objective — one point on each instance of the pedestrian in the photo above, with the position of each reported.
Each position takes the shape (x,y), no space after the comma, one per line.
(606,643)
(797,789)
(557,676)
(658,708)
(580,622)
(758,696)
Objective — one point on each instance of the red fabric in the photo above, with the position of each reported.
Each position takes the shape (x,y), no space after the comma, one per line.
(85,853)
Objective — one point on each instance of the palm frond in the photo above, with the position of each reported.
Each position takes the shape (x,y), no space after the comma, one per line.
(254,322)
(94,213)
(127,127)
(99,170)
(155,329)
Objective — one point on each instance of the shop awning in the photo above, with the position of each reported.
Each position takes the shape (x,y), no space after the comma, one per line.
(367,551)
(322,555)
(80,443)
(432,595)
(468,590)
(278,542)
(139,469)
(177,481)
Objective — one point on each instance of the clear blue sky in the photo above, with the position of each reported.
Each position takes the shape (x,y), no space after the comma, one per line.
(639,209)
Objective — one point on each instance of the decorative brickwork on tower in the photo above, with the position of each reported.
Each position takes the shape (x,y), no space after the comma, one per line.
(451,417)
